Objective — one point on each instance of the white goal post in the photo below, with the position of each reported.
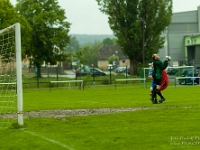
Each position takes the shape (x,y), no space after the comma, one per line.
(174,67)
(180,77)
(11,69)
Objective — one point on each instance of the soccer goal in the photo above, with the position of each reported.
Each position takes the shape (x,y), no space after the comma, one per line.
(11,92)
(144,74)
(179,74)
(184,75)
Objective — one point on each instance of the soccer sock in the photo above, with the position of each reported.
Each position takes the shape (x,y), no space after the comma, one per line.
(160,94)
(154,93)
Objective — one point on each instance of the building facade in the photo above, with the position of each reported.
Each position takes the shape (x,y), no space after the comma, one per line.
(183,39)
(111,50)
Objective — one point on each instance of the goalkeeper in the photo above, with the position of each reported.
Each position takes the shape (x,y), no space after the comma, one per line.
(158,67)
(164,82)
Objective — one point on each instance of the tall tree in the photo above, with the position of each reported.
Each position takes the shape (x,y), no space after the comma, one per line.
(49,30)
(138,25)
(107,41)
(90,53)
(73,45)
(72,48)
(9,16)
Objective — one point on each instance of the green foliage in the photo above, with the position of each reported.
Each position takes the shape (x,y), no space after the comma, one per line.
(105,81)
(49,30)
(88,55)
(9,16)
(79,58)
(89,39)
(113,59)
(73,45)
(91,54)
(133,21)
(107,41)
(89,51)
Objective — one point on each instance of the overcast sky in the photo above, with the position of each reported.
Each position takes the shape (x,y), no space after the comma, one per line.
(86,18)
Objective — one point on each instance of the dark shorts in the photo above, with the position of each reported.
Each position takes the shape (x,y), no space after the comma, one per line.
(158,81)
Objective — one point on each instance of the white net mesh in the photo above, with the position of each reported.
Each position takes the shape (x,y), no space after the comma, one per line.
(8,94)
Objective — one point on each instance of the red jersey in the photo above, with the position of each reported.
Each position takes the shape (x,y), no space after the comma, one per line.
(164,80)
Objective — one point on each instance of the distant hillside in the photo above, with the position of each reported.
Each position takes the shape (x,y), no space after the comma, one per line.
(90,38)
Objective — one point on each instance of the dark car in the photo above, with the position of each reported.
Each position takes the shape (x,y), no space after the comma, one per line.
(189,73)
(172,71)
(89,71)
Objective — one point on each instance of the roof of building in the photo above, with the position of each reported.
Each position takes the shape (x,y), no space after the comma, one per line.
(106,51)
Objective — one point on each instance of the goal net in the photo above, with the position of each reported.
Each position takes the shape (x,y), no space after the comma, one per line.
(177,75)
(184,74)
(10,76)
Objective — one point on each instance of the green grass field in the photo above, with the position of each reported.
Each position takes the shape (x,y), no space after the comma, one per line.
(172,125)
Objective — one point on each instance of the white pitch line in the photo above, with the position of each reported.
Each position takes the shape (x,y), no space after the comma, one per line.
(50,140)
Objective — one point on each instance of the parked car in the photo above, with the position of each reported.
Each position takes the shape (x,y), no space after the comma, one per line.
(172,71)
(89,71)
(122,70)
(189,73)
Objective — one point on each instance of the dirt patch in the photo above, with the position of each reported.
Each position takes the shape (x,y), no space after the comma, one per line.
(70,112)
(82,112)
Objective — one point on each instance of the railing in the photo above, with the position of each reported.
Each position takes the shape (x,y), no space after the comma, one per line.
(132,79)
(68,81)
(182,78)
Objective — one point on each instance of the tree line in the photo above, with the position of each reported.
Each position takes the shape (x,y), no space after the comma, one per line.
(86,53)
(136,24)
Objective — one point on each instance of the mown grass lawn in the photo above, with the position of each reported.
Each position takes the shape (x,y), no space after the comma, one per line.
(172,125)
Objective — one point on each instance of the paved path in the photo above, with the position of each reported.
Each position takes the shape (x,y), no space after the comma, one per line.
(68,74)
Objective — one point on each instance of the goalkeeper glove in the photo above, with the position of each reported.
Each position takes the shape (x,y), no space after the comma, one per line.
(167,58)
